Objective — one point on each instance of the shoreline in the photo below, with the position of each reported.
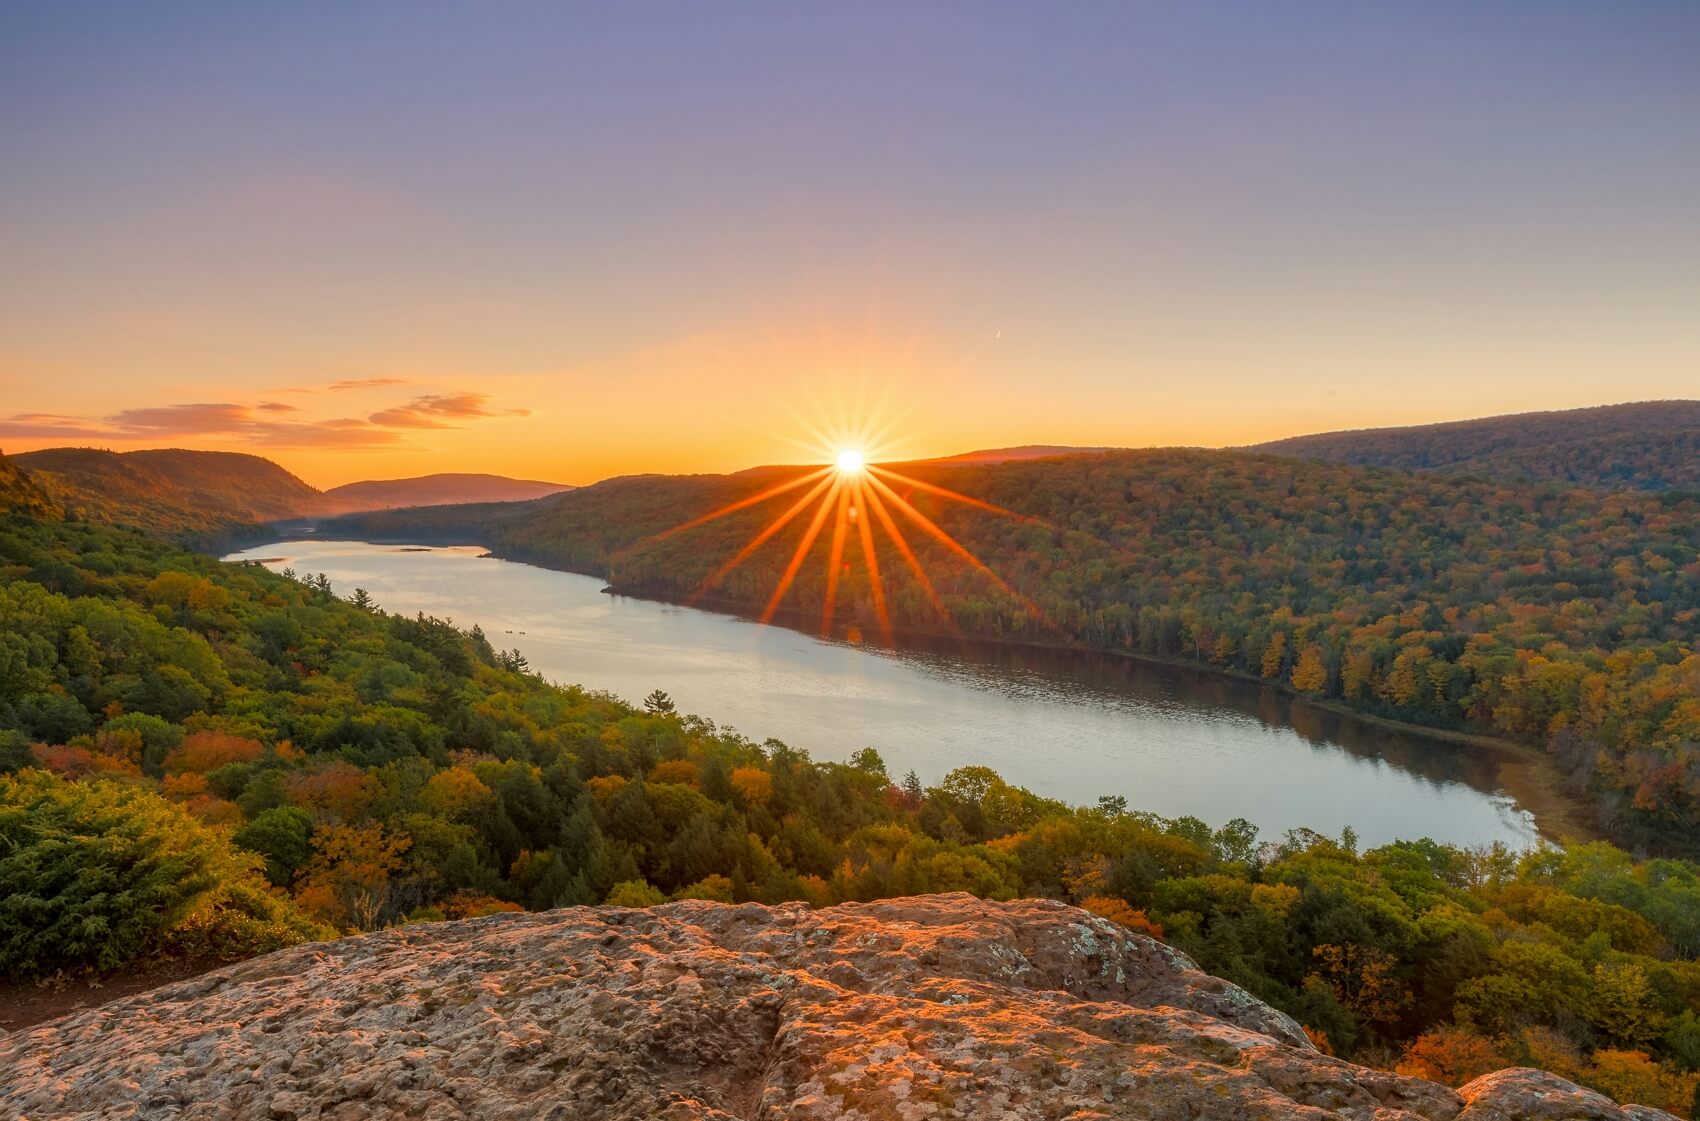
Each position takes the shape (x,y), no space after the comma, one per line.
(1523,773)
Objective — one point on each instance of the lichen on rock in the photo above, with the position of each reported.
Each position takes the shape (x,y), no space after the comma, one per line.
(933,1007)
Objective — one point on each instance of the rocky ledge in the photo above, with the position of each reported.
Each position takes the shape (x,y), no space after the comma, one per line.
(934,1007)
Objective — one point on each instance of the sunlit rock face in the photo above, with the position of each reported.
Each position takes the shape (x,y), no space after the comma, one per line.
(933,1007)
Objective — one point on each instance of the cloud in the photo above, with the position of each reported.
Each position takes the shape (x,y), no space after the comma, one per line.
(201,419)
(49,426)
(260,424)
(346,433)
(363,383)
(431,410)
(406,417)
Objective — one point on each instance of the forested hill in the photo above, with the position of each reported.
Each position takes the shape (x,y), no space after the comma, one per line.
(1564,619)
(435,490)
(208,760)
(1648,445)
(193,496)
(206,499)
(19,494)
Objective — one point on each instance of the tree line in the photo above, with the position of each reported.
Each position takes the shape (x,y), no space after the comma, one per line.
(1556,617)
(213,760)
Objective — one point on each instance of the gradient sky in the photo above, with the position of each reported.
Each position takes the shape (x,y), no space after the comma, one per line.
(376,240)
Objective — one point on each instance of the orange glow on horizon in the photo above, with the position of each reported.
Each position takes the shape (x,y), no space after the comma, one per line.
(854,494)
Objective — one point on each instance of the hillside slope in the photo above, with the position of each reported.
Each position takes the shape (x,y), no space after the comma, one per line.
(1565,620)
(22,495)
(1647,445)
(1024,451)
(380,770)
(203,497)
(435,490)
(188,495)
(940,1006)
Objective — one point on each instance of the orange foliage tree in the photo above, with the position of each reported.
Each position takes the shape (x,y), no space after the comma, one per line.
(1450,1056)
(202,752)
(347,882)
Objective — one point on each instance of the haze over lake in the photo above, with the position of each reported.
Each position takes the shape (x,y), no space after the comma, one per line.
(1068,725)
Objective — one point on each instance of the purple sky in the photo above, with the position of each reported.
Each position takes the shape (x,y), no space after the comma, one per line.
(644,236)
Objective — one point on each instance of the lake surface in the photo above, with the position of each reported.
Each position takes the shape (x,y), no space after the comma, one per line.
(1070,725)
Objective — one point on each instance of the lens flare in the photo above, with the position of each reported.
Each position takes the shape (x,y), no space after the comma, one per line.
(856,499)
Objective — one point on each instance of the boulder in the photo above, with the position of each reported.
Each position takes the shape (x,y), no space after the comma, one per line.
(934,1007)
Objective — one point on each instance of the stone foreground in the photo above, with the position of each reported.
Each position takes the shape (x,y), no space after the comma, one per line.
(938,1007)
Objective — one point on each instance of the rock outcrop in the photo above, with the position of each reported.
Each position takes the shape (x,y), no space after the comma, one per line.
(934,1007)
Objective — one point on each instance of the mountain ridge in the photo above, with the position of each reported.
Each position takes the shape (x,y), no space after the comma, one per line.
(1638,445)
(444,488)
(1428,598)
(211,497)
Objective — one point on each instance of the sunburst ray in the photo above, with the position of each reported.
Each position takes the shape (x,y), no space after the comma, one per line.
(759,540)
(933,530)
(835,560)
(803,547)
(945,492)
(861,499)
(870,557)
(745,503)
(895,533)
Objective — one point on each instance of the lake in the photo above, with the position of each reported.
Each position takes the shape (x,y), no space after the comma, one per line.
(1066,724)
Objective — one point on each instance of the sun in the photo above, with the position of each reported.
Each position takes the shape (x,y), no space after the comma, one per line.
(858,499)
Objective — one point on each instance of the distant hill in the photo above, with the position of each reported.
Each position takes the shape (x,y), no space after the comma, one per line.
(1024,451)
(1455,601)
(435,490)
(188,495)
(1647,445)
(20,494)
(204,498)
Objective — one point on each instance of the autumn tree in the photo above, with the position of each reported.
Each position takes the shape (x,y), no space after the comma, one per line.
(1310,675)
(347,881)
(1451,1056)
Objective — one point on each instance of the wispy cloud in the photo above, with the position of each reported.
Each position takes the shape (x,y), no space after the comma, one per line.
(199,419)
(261,424)
(32,426)
(436,410)
(363,383)
(347,433)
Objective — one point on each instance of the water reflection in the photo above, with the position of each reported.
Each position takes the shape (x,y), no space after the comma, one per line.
(1179,690)
(1067,724)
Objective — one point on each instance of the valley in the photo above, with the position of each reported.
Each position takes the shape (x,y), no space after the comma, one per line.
(1074,726)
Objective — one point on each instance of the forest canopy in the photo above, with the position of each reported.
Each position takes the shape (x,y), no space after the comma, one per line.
(287,763)
(1557,617)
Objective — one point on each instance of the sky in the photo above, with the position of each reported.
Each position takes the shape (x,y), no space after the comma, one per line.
(567,242)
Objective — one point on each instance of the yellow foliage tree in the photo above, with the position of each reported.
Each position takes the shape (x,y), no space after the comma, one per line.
(1123,912)
(455,793)
(753,785)
(1311,674)
(348,880)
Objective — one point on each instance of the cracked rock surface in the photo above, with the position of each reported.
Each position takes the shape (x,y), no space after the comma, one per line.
(941,1006)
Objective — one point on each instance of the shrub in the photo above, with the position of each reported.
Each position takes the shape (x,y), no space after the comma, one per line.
(635,893)
(283,836)
(94,875)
